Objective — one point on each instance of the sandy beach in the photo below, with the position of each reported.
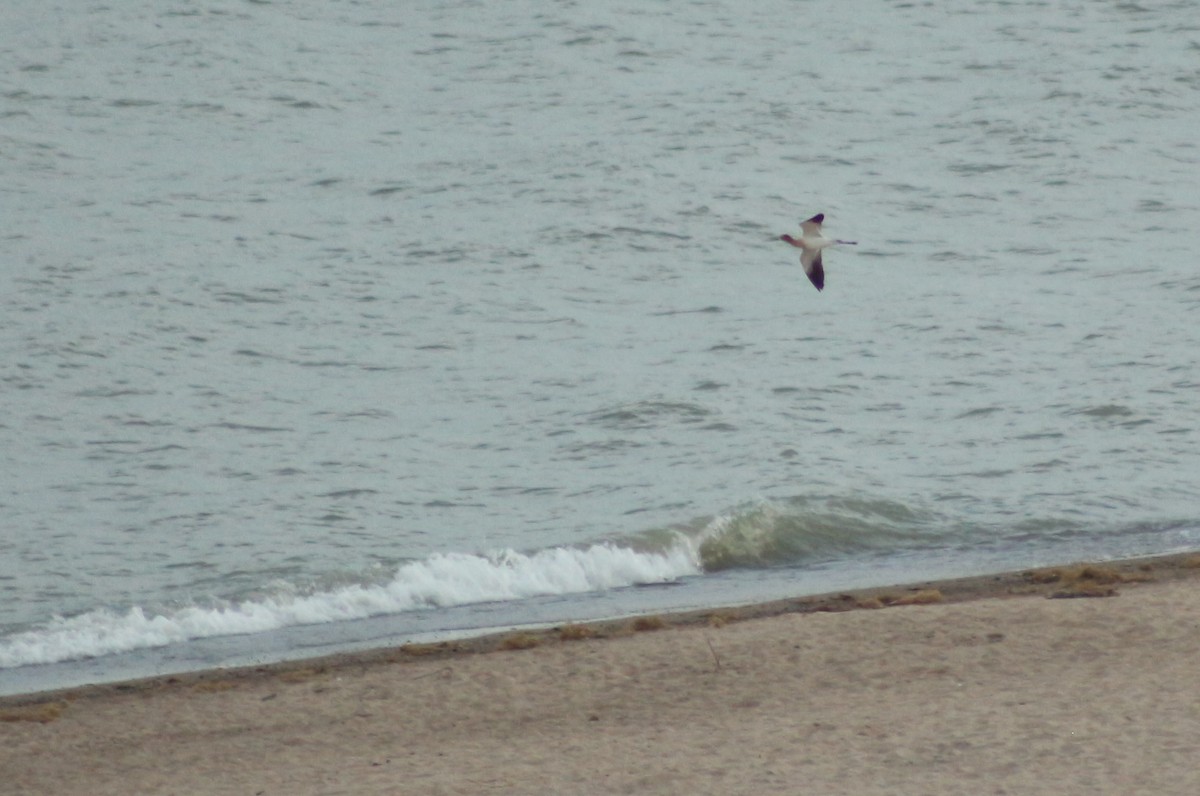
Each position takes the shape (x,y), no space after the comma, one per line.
(1078,680)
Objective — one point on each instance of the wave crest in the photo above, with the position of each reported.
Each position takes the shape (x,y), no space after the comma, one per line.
(438,581)
(763,535)
(806,530)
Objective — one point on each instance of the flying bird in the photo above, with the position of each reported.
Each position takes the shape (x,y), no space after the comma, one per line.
(810,243)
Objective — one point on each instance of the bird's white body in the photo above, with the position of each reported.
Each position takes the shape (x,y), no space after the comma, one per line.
(810,243)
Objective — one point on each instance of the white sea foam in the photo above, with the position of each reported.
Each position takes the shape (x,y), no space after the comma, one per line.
(439,581)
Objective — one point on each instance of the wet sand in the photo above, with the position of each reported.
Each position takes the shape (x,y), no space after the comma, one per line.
(1077,680)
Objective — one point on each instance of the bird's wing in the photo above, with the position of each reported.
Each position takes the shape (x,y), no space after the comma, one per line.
(811,260)
(813,225)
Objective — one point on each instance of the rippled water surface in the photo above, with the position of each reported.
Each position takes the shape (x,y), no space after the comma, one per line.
(317,311)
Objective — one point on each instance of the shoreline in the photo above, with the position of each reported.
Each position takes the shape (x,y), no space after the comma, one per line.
(1099,579)
(978,684)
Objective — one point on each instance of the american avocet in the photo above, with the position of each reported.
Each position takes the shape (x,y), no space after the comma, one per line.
(810,243)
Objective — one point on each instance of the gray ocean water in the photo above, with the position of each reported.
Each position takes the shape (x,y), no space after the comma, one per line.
(320,314)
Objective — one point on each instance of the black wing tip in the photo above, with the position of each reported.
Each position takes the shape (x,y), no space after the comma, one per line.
(817,275)
(819,217)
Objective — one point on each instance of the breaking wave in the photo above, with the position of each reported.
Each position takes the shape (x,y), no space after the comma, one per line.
(436,582)
(761,535)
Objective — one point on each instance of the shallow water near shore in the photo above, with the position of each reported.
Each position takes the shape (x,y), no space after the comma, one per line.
(326,324)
